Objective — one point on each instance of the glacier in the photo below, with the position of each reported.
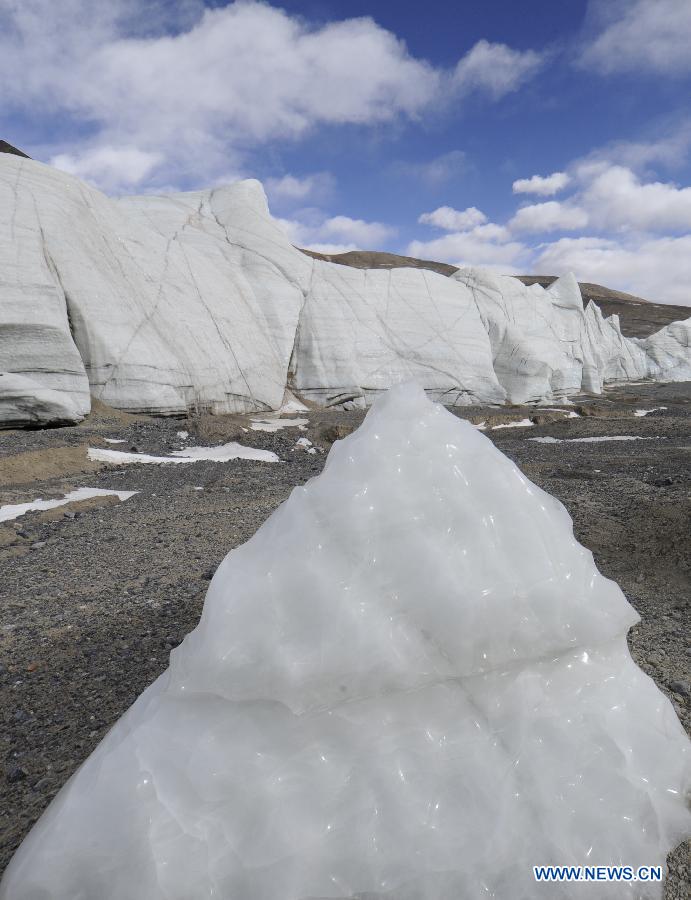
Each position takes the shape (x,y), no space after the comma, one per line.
(198,302)
(411,683)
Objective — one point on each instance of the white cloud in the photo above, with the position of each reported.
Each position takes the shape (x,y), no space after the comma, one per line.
(331,249)
(337,233)
(368,235)
(113,168)
(657,269)
(220,81)
(670,148)
(549,216)
(495,69)
(621,201)
(631,35)
(295,188)
(473,248)
(453,219)
(545,186)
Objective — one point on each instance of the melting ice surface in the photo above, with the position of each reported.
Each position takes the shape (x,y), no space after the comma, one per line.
(411,683)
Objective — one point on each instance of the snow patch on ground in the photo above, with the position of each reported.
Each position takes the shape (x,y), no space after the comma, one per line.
(523,423)
(569,413)
(223,453)
(292,406)
(115,440)
(306,444)
(644,412)
(272,425)
(14,510)
(183,435)
(591,440)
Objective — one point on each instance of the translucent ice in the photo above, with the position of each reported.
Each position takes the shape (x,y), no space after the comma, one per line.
(411,683)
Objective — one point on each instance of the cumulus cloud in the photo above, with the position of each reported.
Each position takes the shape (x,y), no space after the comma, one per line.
(486,245)
(496,69)
(109,167)
(545,186)
(294,188)
(336,234)
(656,268)
(622,201)
(635,35)
(213,83)
(453,219)
(635,231)
(549,216)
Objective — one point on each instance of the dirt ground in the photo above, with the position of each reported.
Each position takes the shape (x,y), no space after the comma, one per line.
(93,596)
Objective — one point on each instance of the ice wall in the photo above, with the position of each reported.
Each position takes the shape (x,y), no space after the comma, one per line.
(198,301)
(411,683)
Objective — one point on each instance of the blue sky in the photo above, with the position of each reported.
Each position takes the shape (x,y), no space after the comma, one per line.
(536,136)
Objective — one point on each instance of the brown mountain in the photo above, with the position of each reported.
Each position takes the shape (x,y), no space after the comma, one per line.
(638,317)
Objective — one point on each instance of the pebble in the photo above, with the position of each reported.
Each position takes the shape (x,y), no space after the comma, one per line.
(681,687)
(16,774)
(70,515)
(38,544)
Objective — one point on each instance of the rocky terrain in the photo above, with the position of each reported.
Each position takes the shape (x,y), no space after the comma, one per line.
(96,594)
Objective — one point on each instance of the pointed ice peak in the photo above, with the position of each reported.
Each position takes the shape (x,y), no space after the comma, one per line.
(425,555)
(565,292)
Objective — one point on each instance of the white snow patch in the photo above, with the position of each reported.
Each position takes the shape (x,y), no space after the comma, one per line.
(292,406)
(644,412)
(591,440)
(183,435)
(569,413)
(481,425)
(523,423)
(223,453)
(115,440)
(306,444)
(271,424)
(14,510)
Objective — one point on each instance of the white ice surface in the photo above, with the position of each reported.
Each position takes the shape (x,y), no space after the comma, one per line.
(223,453)
(115,440)
(412,683)
(199,302)
(14,510)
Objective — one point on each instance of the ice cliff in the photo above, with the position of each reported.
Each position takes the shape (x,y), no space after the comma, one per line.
(411,683)
(198,301)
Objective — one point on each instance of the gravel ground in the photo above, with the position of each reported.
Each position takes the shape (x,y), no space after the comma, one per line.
(95,595)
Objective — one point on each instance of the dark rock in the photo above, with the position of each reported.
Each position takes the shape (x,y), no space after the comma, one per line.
(15,774)
(681,687)
(38,544)
(331,433)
